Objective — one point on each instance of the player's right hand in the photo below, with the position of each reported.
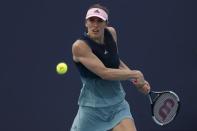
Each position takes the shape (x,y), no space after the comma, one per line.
(139,80)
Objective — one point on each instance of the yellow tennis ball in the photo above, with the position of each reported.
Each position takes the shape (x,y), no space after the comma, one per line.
(61,68)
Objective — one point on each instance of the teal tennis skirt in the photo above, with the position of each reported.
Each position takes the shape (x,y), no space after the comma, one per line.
(102,118)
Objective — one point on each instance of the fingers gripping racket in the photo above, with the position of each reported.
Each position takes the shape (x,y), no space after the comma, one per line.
(164,106)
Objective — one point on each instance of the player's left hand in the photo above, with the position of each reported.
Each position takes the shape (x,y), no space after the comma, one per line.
(145,88)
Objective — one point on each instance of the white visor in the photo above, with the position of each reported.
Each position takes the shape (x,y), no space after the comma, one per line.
(97,12)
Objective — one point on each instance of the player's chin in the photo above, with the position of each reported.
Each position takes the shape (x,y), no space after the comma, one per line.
(96,36)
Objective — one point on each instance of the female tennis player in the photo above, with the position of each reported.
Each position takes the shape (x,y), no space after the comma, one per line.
(102,104)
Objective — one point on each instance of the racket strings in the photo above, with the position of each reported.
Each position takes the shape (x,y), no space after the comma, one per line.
(165,108)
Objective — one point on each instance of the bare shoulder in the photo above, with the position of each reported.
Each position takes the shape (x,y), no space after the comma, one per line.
(80,46)
(113,32)
(111,29)
(79,49)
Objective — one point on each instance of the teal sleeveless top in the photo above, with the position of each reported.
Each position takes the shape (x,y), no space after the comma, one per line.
(97,92)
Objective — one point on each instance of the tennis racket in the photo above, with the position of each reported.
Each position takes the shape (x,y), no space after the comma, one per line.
(164,106)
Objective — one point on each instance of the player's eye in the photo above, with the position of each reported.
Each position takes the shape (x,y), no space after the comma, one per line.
(99,20)
(93,19)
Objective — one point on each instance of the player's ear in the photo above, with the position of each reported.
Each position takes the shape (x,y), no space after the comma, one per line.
(86,24)
(107,22)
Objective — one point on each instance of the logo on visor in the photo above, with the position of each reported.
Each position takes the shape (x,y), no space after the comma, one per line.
(96,11)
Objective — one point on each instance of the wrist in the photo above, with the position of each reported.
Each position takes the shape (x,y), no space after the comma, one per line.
(139,83)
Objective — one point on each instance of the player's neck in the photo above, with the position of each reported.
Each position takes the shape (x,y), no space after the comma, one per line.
(99,40)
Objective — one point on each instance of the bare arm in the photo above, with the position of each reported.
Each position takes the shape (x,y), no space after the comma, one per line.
(140,83)
(83,54)
(123,65)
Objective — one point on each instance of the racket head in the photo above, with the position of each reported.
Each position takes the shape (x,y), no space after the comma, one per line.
(164,106)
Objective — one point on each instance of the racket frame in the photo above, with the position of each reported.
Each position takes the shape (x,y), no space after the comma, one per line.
(153,100)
